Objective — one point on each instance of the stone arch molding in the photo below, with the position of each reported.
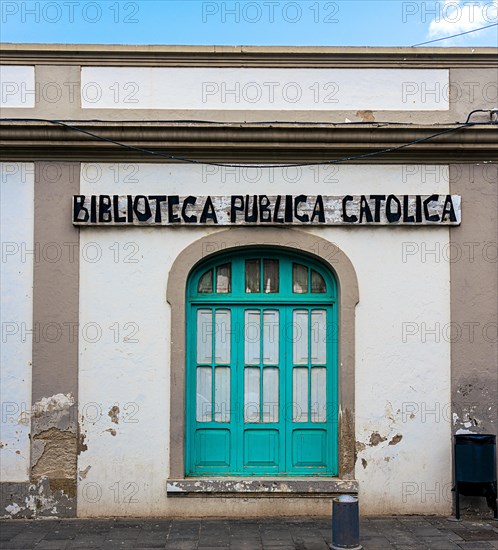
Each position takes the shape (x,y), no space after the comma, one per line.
(295,240)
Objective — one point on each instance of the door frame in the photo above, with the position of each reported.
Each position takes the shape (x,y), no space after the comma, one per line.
(285,301)
(292,239)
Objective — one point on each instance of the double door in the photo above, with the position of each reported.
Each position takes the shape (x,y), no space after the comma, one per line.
(261,389)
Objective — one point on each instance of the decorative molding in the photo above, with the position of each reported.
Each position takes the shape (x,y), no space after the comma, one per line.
(246,56)
(256,143)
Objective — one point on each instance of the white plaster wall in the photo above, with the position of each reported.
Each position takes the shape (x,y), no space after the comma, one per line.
(17,86)
(264,89)
(125,467)
(16,282)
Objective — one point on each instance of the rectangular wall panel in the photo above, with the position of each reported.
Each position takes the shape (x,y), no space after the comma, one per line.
(16,281)
(17,85)
(263,88)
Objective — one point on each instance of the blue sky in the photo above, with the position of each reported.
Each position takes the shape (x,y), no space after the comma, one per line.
(246,22)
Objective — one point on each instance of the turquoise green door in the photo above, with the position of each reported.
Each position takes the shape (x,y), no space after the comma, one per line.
(261,367)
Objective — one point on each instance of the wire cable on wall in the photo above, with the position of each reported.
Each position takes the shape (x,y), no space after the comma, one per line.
(248,165)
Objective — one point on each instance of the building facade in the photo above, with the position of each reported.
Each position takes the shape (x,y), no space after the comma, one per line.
(241,281)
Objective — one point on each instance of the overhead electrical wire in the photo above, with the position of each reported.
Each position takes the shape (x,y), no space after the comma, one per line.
(454,35)
(250,165)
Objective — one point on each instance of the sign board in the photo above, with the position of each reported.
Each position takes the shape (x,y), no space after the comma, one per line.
(316,210)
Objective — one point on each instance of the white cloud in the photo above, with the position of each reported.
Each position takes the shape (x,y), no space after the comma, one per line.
(456,16)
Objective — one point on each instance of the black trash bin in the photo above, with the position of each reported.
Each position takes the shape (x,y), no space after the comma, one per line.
(475,468)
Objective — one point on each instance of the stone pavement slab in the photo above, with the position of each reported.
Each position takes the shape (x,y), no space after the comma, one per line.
(377,533)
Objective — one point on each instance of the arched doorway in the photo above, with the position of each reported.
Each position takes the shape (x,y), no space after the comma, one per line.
(261,366)
(231,240)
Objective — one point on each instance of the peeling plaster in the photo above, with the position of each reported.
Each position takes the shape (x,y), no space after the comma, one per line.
(57,459)
(376,438)
(396,439)
(82,446)
(57,402)
(13,509)
(347,438)
(45,498)
(83,473)
(54,444)
(229,486)
(57,411)
(24,418)
(366,116)
(114,414)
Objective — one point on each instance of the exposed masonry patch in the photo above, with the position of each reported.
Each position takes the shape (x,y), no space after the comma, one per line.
(54,444)
(364,463)
(54,428)
(56,455)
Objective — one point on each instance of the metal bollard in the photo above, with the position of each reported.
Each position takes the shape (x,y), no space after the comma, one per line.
(345,523)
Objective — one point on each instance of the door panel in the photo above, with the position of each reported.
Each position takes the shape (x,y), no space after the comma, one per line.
(309,449)
(310,437)
(263,433)
(261,449)
(213,449)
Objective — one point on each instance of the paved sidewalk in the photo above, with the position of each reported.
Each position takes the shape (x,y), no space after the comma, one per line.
(381,533)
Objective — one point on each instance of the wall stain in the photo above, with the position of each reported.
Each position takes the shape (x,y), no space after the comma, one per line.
(114,414)
(83,473)
(396,439)
(67,486)
(366,116)
(364,463)
(348,455)
(376,438)
(82,446)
